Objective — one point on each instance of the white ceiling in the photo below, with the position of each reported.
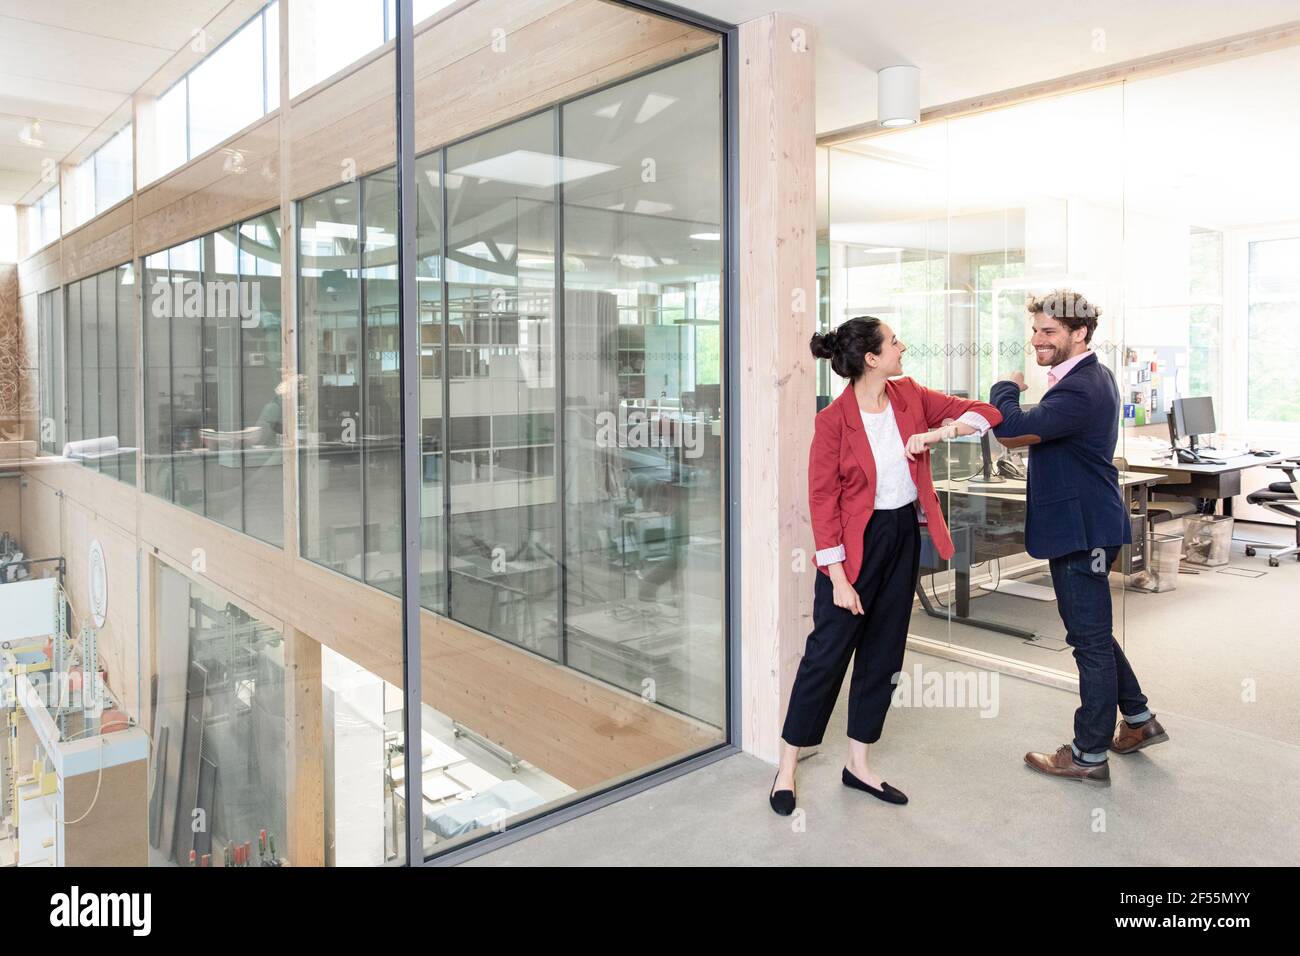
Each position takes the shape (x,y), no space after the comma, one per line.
(73,65)
(966,49)
(1213,147)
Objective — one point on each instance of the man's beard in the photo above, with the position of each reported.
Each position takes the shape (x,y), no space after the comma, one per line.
(1056,358)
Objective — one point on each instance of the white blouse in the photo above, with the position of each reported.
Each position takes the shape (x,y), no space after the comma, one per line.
(894,484)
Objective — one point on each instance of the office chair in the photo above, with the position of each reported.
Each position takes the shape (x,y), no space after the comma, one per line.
(1282,497)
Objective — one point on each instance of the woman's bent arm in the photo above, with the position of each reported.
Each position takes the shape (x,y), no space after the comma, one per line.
(824,487)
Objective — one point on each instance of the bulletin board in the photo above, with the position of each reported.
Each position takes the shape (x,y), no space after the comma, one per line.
(1153,377)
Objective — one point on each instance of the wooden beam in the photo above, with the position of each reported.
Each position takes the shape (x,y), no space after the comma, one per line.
(305,757)
(778,303)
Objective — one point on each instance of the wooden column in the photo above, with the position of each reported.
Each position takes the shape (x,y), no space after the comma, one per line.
(778,314)
(304,751)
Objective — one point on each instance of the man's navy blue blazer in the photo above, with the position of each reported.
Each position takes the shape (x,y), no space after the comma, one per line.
(1074,498)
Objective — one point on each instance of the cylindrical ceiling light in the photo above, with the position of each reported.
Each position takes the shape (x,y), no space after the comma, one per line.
(898,96)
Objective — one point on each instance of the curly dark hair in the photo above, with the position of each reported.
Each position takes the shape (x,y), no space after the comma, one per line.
(1068,307)
(847,345)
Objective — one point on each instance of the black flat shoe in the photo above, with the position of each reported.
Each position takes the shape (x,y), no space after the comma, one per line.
(782,801)
(887,793)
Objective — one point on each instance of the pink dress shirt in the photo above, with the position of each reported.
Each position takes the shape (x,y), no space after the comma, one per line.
(1059,372)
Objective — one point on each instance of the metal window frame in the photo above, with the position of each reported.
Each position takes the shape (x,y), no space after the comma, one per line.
(412,471)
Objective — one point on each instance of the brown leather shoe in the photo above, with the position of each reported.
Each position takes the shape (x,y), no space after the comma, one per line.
(1062,764)
(1128,739)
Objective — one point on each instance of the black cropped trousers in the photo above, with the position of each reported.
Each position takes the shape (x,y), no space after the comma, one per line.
(875,640)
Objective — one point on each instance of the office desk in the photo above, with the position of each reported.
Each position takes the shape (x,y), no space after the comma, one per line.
(988,521)
(1217,480)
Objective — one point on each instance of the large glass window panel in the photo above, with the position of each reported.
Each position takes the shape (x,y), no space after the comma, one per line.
(106,295)
(348,449)
(222,438)
(187,336)
(330,365)
(219,726)
(83,192)
(943,233)
(76,383)
(157,397)
(263,417)
(171,134)
(112,163)
(90,400)
(428,280)
(326,35)
(500,352)
(643,447)
(381,439)
(271,22)
(127,316)
(1206,327)
(225,90)
(52,364)
(1273,351)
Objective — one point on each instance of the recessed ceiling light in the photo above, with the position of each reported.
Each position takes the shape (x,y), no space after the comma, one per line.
(31,135)
(654,104)
(707,236)
(649,207)
(610,111)
(525,167)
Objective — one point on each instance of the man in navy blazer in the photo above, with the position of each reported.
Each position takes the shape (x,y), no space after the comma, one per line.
(1077,519)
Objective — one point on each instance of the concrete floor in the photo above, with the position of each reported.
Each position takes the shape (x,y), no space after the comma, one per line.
(1213,794)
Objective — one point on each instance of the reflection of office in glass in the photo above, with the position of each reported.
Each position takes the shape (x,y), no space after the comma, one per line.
(212,404)
(219,728)
(99,333)
(630,557)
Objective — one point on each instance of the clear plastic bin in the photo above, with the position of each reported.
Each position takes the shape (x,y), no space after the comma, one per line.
(1164,551)
(1207,539)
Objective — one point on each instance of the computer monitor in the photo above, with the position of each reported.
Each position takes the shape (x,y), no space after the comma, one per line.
(1190,418)
(988,474)
(710,397)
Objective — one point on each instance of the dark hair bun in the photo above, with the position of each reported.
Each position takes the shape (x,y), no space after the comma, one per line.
(846,345)
(824,344)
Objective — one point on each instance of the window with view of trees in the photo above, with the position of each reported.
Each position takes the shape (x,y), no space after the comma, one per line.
(1273,316)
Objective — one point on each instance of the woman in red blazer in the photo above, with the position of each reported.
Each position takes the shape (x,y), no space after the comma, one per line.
(869,491)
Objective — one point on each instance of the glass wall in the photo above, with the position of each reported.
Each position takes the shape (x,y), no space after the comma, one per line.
(51,359)
(943,231)
(100,341)
(214,431)
(594,538)
(328,35)
(642,384)
(43,225)
(348,441)
(500,358)
(219,729)
(641,273)
(104,178)
(235,84)
(1273,352)
(568,280)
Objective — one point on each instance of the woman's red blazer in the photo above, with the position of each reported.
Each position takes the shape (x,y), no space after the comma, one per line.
(842,471)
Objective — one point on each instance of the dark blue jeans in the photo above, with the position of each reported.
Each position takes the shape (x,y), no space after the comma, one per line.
(1105,678)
